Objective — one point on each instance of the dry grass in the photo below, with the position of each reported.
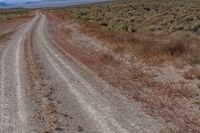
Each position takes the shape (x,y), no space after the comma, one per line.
(160,45)
(193,73)
(108,59)
(163,101)
(154,50)
(120,21)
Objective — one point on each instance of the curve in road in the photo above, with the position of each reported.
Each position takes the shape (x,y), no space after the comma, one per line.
(90,103)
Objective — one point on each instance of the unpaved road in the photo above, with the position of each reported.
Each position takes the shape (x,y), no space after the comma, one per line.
(42,90)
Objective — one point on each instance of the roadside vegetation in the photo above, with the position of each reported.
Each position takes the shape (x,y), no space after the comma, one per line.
(10,19)
(5,37)
(7,14)
(156,31)
(153,52)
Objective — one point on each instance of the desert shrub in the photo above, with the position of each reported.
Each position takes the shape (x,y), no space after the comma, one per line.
(105,24)
(107,58)
(175,47)
(193,56)
(195,26)
(132,29)
(119,27)
(192,74)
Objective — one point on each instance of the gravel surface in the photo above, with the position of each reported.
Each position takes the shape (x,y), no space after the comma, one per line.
(13,111)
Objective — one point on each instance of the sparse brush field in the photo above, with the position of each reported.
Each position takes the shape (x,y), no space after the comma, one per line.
(144,16)
(10,19)
(150,49)
(7,14)
(155,31)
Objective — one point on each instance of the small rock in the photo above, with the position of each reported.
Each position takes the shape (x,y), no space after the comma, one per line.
(80,129)
(58,129)
(66,115)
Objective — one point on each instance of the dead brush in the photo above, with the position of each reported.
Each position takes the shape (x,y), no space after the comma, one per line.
(175,47)
(162,101)
(192,74)
(119,49)
(122,47)
(138,74)
(153,50)
(179,91)
(107,59)
(150,51)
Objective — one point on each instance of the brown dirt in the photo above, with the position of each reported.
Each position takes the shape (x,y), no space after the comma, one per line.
(13,23)
(6,36)
(8,27)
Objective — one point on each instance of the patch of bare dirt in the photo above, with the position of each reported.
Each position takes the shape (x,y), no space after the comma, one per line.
(6,36)
(8,25)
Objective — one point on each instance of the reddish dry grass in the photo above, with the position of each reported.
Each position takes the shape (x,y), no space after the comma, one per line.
(149,48)
(192,74)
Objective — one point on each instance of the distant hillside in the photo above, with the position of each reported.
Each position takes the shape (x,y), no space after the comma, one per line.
(52,0)
(43,1)
(3,4)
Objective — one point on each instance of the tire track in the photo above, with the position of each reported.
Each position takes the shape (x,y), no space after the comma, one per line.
(13,109)
(40,91)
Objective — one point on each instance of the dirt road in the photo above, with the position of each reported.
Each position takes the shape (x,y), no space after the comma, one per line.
(42,90)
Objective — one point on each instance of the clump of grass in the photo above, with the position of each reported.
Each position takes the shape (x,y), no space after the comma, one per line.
(154,50)
(119,49)
(108,59)
(192,74)
(175,47)
(194,57)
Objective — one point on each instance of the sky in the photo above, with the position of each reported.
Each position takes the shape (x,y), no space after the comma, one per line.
(17,1)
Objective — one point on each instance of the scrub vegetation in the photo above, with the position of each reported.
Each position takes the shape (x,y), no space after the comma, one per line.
(7,14)
(144,16)
(155,31)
